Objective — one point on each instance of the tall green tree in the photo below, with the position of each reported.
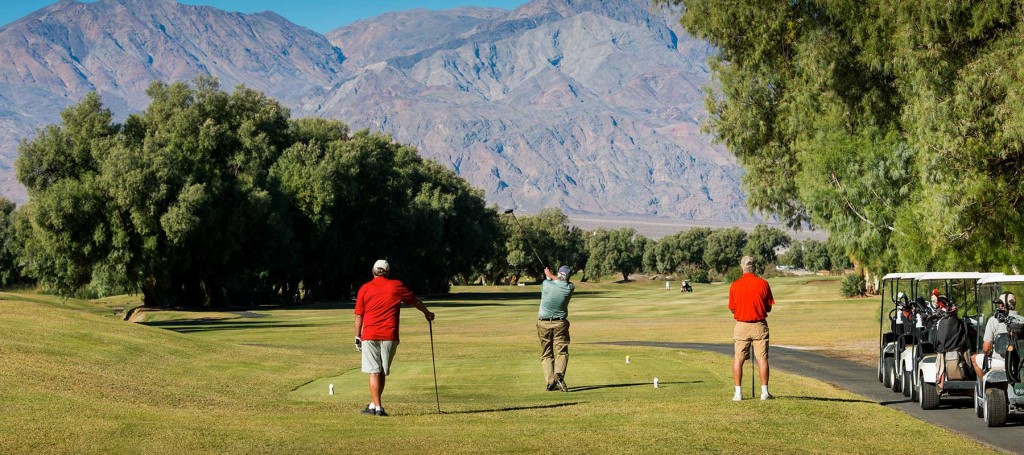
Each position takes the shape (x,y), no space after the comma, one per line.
(816,255)
(547,235)
(893,125)
(724,248)
(762,243)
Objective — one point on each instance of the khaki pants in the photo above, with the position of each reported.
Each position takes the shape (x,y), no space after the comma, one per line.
(554,338)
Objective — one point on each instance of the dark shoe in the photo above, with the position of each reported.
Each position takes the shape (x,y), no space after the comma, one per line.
(368,411)
(561,384)
(381,413)
(552,387)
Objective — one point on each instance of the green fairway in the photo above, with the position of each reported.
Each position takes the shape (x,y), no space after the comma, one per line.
(77,379)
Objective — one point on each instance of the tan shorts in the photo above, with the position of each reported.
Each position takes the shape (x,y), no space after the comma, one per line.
(746,333)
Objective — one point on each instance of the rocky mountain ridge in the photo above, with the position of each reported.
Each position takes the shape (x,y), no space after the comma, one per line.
(588,105)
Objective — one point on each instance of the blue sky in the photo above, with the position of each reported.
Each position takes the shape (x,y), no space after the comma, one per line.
(319,15)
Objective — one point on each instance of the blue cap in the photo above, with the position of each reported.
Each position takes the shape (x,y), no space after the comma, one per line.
(564,270)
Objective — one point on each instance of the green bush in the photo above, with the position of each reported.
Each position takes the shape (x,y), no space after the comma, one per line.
(853,286)
(700,276)
(733,274)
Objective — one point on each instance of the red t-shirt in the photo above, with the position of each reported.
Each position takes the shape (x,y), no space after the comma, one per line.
(379,302)
(750,298)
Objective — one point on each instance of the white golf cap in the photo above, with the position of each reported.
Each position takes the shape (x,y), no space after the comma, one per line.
(381,264)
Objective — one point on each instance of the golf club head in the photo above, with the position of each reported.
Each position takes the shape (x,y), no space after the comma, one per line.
(508,211)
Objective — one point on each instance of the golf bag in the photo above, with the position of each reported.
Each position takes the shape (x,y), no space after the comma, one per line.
(1015,338)
(952,345)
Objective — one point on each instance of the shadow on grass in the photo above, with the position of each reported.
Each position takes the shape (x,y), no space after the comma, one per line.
(211,325)
(635,384)
(830,400)
(503,296)
(514,408)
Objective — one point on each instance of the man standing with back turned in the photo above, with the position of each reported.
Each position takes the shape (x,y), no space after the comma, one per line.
(553,326)
(750,300)
(377,308)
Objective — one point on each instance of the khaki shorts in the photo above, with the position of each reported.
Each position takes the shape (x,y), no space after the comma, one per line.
(377,356)
(746,333)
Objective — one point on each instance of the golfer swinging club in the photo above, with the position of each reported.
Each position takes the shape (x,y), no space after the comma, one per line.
(750,300)
(377,307)
(553,326)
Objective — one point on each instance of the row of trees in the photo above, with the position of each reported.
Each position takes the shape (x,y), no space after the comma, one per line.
(210,198)
(895,126)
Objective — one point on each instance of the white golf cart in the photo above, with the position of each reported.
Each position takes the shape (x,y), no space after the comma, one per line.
(1000,391)
(952,318)
(896,347)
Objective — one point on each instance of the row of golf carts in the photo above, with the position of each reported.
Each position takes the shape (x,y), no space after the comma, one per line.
(934,323)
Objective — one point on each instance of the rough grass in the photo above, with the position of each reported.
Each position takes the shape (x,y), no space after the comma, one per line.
(76,379)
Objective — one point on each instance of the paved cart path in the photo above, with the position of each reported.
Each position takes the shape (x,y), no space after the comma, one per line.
(956,414)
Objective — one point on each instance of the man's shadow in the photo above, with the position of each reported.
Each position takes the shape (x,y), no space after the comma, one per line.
(514,408)
(635,384)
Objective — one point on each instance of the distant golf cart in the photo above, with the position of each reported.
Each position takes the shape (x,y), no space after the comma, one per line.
(952,319)
(896,346)
(1000,391)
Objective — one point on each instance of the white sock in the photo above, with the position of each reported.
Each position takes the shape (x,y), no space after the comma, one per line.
(373,406)
(764,390)
(739,390)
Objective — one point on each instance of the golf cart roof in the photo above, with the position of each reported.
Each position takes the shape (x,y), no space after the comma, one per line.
(1002,279)
(954,275)
(901,275)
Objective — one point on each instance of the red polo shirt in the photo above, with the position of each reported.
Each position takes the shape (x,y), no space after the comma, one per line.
(750,298)
(379,302)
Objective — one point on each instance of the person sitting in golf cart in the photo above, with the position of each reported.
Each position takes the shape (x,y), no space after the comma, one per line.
(904,306)
(993,328)
(951,341)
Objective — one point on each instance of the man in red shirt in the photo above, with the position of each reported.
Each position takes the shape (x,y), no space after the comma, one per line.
(750,300)
(377,306)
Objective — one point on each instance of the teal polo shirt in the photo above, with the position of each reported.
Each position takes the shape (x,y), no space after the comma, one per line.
(554,299)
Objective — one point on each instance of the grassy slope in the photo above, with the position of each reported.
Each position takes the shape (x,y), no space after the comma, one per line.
(84,382)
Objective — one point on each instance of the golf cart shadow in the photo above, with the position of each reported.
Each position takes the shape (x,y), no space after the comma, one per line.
(956,402)
(515,408)
(634,384)
(829,400)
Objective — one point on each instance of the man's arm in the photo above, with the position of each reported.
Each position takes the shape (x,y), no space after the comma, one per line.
(359,332)
(551,276)
(423,308)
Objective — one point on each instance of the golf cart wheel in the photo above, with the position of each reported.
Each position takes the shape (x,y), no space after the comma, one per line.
(879,369)
(908,386)
(995,407)
(897,383)
(887,373)
(929,396)
(979,403)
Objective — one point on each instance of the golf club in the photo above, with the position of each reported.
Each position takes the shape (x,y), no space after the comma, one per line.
(539,261)
(434,363)
(753,392)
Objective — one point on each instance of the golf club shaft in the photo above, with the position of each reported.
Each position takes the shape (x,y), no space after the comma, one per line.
(434,364)
(527,239)
(752,392)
